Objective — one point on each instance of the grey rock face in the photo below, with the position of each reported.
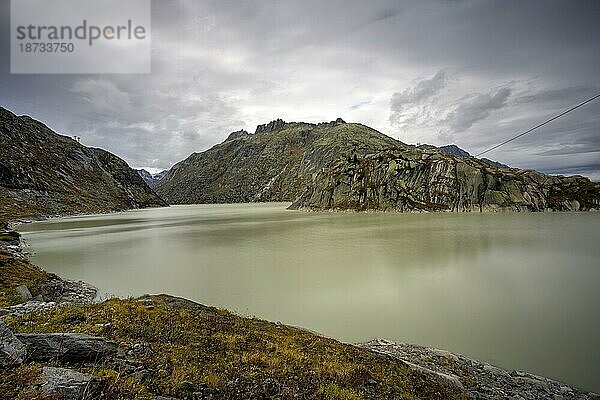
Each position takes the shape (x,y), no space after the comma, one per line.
(419,180)
(66,347)
(442,378)
(12,350)
(454,150)
(493,163)
(66,384)
(24,292)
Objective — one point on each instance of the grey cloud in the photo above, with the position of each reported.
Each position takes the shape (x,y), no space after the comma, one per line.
(175,120)
(476,108)
(576,149)
(359,105)
(554,94)
(423,90)
(221,65)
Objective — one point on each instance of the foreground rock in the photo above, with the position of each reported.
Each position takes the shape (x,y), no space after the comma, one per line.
(481,380)
(24,292)
(66,384)
(66,291)
(66,347)
(12,350)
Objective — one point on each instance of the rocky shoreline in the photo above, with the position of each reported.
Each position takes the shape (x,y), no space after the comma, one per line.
(480,380)
(460,375)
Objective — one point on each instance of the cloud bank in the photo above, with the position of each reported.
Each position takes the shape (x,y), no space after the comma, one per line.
(472,73)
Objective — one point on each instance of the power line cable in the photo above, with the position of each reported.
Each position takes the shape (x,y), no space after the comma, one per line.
(540,125)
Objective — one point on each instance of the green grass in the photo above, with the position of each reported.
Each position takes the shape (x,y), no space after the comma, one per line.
(230,354)
(334,392)
(15,272)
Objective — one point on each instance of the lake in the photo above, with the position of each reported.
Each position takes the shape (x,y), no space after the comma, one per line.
(518,290)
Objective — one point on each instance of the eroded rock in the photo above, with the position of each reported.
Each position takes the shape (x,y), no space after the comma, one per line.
(66,347)
(67,384)
(24,292)
(12,350)
(67,291)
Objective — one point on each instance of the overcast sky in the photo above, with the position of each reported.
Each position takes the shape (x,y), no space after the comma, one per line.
(473,73)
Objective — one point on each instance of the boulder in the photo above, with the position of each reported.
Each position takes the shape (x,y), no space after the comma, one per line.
(67,291)
(24,292)
(66,384)
(67,347)
(12,350)
(449,380)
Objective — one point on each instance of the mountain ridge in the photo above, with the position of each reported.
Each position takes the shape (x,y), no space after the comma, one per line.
(339,165)
(276,163)
(44,173)
(151,179)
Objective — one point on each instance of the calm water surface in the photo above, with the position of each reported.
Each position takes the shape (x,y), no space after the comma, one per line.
(519,290)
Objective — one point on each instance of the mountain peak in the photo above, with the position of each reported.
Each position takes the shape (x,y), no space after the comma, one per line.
(237,134)
(454,150)
(271,126)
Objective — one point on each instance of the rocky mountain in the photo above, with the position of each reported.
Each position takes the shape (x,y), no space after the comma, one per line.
(338,165)
(42,172)
(275,163)
(151,179)
(428,180)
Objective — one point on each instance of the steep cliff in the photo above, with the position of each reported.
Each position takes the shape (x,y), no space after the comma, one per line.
(42,172)
(426,180)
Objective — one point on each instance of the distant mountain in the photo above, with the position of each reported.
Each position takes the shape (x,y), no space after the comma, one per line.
(337,165)
(42,172)
(454,150)
(151,179)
